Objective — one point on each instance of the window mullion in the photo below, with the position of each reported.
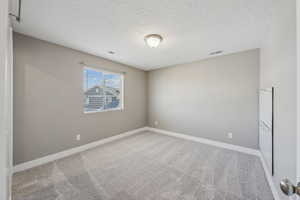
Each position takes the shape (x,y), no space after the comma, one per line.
(104,90)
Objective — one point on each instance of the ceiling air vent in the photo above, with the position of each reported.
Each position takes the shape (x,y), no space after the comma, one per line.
(215,53)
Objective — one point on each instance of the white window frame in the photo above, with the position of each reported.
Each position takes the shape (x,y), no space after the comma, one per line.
(121,107)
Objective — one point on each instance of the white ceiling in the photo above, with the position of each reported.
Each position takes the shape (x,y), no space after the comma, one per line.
(191,28)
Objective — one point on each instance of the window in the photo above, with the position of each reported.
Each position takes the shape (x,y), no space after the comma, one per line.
(103,90)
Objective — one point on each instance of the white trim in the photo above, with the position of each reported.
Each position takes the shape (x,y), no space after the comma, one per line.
(225,146)
(269,177)
(10,112)
(53,157)
(298,92)
(101,111)
(208,141)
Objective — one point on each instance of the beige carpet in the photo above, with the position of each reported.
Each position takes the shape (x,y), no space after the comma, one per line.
(147,166)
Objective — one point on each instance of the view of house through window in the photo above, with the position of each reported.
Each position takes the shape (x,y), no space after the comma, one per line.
(102,90)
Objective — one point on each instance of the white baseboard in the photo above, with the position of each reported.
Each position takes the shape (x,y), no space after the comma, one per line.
(225,146)
(269,177)
(56,156)
(53,157)
(208,141)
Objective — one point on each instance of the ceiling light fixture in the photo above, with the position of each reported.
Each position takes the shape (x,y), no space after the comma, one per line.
(153,40)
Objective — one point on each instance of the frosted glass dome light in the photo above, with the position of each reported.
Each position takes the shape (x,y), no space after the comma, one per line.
(153,40)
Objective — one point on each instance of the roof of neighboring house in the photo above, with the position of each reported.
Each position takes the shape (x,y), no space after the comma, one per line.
(99,90)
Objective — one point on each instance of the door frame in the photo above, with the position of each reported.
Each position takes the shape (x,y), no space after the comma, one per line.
(298,88)
(6,91)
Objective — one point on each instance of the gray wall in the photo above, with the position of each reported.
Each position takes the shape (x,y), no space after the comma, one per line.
(208,98)
(278,69)
(48,100)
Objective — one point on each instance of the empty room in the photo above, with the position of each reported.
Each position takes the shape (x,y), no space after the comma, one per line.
(149,100)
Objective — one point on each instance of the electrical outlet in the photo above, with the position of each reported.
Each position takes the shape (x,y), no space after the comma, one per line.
(155,123)
(78,137)
(229,135)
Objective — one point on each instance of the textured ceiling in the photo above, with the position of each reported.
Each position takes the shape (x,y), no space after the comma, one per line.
(191,28)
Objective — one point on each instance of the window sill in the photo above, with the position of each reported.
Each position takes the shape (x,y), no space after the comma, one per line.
(102,111)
